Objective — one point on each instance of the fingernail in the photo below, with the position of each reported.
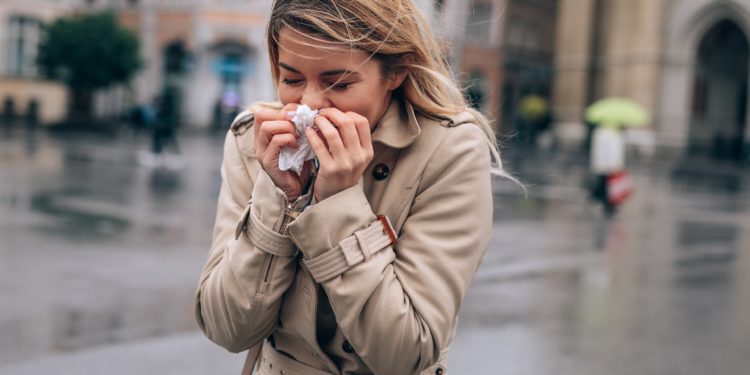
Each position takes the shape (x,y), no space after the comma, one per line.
(291,114)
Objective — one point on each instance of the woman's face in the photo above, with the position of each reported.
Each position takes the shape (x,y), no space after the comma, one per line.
(324,74)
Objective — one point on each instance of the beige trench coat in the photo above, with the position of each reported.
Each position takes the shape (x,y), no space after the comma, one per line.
(395,300)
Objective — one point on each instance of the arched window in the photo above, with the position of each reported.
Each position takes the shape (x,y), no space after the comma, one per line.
(175,58)
(234,62)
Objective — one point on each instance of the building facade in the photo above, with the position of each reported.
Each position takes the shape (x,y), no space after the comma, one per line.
(209,53)
(214,52)
(24,94)
(507,51)
(686,61)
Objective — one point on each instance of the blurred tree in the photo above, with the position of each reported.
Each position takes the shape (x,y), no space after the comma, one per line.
(88,52)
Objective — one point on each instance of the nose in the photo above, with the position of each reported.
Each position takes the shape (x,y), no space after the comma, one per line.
(315,97)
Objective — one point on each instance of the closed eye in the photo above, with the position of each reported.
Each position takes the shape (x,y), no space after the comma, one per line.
(339,85)
(291,82)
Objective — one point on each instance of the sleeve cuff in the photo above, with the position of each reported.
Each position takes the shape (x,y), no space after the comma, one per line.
(351,251)
(323,225)
(269,202)
(268,215)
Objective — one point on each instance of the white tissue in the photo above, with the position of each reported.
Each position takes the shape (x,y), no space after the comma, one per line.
(294,159)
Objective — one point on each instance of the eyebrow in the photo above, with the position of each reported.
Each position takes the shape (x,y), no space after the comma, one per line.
(326,73)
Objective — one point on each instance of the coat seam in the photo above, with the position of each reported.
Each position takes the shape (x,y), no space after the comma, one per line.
(246,168)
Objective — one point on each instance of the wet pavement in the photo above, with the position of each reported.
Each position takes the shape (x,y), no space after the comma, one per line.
(100,254)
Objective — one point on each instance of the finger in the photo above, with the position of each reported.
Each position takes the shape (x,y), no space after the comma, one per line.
(319,147)
(290,107)
(332,136)
(256,121)
(345,124)
(263,114)
(267,114)
(364,131)
(277,127)
(277,143)
(268,129)
(284,140)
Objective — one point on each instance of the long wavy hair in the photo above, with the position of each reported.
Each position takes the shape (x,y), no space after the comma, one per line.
(393,32)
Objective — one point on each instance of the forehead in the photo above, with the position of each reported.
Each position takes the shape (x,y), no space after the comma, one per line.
(298,48)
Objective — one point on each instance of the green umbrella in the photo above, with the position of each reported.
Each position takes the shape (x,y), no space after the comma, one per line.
(617,112)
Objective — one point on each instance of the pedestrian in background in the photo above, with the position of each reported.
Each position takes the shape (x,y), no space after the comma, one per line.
(160,118)
(359,263)
(165,129)
(607,159)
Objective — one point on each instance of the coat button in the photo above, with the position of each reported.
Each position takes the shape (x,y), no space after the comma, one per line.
(380,172)
(347,347)
(439,371)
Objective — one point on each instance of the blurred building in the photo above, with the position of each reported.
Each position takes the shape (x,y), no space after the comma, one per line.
(528,46)
(208,53)
(23,93)
(686,61)
(503,49)
(214,51)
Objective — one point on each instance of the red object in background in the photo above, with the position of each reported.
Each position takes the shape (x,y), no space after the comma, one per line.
(619,187)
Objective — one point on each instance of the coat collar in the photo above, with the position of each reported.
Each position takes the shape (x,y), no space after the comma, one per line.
(398,127)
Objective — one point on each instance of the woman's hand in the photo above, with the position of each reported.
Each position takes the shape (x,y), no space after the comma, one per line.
(273,130)
(343,147)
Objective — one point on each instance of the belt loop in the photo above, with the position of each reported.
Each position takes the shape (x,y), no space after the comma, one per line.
(363,244)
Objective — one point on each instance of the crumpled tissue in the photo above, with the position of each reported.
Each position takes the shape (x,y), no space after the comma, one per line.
(294,159)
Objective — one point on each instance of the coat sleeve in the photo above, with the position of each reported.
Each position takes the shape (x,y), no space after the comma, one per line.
(250,263)
(398,306)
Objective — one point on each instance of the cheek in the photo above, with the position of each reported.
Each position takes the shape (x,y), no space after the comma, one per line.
(355,102)
(367,100)
(350,101)
(288,94)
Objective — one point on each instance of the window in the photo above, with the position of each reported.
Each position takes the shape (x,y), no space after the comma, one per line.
(23,40)
(480,19)
(532,39)
(515,33)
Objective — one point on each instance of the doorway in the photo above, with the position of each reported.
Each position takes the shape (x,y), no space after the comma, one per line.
(720,94)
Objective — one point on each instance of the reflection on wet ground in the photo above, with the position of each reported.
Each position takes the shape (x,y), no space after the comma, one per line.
(664,288)
(94,247)
(97,249)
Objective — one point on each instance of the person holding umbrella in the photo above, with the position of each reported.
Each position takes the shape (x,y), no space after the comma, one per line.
(612,183)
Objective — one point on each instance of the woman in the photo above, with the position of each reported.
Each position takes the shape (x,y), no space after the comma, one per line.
(359,264)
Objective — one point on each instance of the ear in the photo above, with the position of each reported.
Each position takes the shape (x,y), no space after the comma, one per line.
(396,79)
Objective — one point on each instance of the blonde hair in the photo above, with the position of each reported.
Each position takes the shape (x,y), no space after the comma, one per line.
(396,34)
